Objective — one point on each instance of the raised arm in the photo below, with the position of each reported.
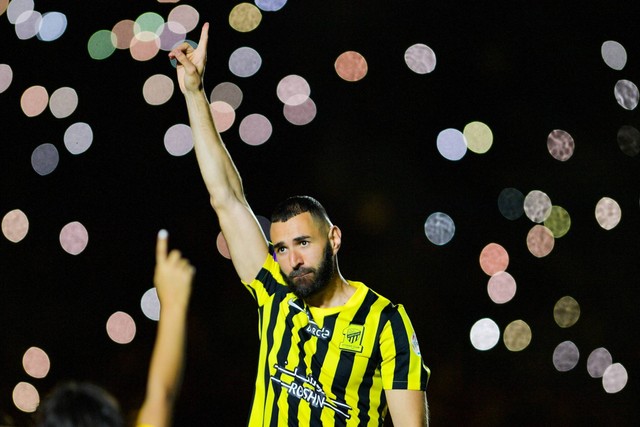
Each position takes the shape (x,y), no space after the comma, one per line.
(408,408)
(246,241)
(173,277)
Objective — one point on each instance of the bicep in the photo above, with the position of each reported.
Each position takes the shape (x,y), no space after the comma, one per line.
(408,408)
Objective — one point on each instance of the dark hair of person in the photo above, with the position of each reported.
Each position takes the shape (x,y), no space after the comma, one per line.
(297,205)
(75,404)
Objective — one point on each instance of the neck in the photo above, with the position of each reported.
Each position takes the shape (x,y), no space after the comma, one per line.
(337,293)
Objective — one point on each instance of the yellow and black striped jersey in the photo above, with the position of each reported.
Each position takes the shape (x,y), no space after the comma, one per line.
(329,367)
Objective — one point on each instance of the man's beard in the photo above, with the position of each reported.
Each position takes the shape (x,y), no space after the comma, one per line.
(307,287)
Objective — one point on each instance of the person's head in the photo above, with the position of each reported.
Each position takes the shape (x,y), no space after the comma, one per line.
(306,244)
(74,404)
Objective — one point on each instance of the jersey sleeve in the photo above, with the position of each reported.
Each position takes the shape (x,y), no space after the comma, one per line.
(402,365)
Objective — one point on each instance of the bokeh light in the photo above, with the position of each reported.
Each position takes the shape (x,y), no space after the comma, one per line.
(615,378)
(614,54)
(185,15)
(566,356)
(255,129)
(420,58)
(28,24)
(560,145)
(74,238)
(517,335)
(439,228)
(493,259)
(293,90)
(511,203)
(245,17)
(540,241)
(223,115)
(63,102)
(146,26)
(537,206)
(17,8)
(629,140)
(300,114)
(484,334)
(144,46)
(3,6)
(221,245)
(178,140)
(558,221)
(270,5)
(227,92)
(157,89)
(150,304)
(478,136)
(6,77)
(25,396)
(626,93)
(245,62)
(566,312)
(52,26)
(78,138)
(15,225)
(36,362)
(171,34)
(34,101)
(102,44)
(45,159)
(121,327)
(351,66)
(452,145)
(598,362)
(501,287)
(122,33)
(608,213)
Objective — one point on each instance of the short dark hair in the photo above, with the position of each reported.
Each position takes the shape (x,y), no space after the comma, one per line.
(77,404)
(297,205)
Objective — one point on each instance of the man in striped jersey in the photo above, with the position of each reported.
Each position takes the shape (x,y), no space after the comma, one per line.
(333,352)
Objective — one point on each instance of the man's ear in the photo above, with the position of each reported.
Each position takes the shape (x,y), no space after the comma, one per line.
(335,237)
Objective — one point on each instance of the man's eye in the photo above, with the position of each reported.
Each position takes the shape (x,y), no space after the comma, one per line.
(280,250)
(304,243)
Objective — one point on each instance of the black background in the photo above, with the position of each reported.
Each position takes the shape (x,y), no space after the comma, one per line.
(523,68)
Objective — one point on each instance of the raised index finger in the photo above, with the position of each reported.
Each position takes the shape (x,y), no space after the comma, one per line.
(204,36)
(161,245)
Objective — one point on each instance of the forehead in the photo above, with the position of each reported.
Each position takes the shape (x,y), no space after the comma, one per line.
(300,225)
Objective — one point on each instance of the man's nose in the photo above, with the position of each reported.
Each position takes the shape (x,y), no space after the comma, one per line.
(295,259)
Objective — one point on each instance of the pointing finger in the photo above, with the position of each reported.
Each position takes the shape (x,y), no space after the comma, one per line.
(161,245)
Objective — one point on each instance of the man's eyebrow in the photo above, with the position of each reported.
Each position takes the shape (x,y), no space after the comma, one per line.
(301,238)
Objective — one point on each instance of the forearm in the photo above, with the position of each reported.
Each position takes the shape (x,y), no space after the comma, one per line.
(408,408)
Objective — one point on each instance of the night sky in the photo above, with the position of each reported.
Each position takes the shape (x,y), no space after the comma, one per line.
(370,156)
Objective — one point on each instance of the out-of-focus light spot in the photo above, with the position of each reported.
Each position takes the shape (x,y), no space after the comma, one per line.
(517,335)
(439,228)
(25,395)
(157,89)
(608,213)
(420,58)
(78,138)
(17,8)
(28,24)
(493,259)
(511,203)
(300,114)
(53,25)
(540,241)
(102,44)
(150,304)
(123,32)
(245,17)
(255,129)
(171,34)
(615,378)
(63,102)
(6,77)
(558,221)
(566,312)
(227,92)
(614,54)
(626,93)
(566,356)
(598,362)
(15,225)
(537,206)
(44,159)
(34,101)
(168,1)
(478,136)
(501,287)
(270,5)
(351,66)
(36,363)
(144,50)
(451,144)
(121,327)
(265,224)
(293,90)
(186,15)
(485,334)
(223,115)
(148,22)
(560,145)
(628,140)
(178,140)
(221,244)
(3,6)
(244,62)
(74,238)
